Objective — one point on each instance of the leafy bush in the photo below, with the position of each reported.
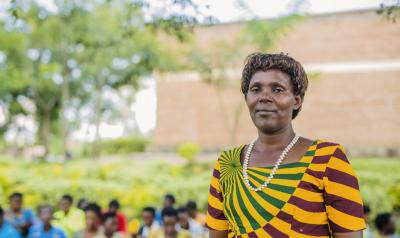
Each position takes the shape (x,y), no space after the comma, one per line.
(124,145)
(141,183)
(189,151)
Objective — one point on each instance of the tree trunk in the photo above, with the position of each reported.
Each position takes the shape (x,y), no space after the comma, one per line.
(97,121)
(65,98)
(44,131)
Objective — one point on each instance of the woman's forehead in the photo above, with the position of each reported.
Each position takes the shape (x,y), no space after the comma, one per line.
(270,76)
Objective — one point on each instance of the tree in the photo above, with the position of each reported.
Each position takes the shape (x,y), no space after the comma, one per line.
(81,59)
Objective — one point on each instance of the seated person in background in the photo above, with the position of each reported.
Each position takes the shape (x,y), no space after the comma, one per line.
(45,230)
(7,230)
(195,229)
(170,221)
(149,223)
(93,223)
(82,204)
(191,207)
(114,207)
(17,216)
(110,223)
(169,201)
(367,233)
(69,218)
(385,224)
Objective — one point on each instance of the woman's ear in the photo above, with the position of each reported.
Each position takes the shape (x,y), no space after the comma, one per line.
(297,102)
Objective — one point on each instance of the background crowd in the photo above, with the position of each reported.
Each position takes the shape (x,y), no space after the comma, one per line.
(87,219)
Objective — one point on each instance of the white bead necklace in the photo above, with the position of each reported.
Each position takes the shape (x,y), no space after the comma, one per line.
(274,169)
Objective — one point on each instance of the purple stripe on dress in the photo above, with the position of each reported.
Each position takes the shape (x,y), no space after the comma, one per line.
(252,235)
(340,155)
(216,213)
(275,233)
(215,193)
(285,216)
(325,144)
(216,174)
(309,187)
(321,159)
(317,174)
(344,205)
(307,205)
(336,228)
(310,229)
(341,177)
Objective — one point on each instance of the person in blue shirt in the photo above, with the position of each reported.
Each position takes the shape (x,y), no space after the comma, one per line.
(6,230)
(45,230)
(22,219)
(169,201)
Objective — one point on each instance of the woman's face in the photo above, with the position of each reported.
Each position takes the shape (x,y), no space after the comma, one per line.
(271,101)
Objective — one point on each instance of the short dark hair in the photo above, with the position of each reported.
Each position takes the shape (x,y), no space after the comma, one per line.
(169,212)
(382,220)
(114,203)
(16,195)
(109,215)
(182,210)
(1,212)
(94,207)
(367,209)
(191,205)
(67,197)
(151,210)
(170,197)
(262,62)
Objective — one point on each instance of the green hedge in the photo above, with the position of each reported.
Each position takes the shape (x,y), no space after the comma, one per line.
(141,183)
(124,145)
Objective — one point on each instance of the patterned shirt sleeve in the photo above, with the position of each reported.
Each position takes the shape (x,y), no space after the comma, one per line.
(342,195)
(216,219)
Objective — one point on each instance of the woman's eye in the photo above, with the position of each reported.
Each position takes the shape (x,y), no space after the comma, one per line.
(278,90)
(255,89)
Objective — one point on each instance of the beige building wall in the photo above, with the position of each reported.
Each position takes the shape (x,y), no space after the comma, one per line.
(355,100)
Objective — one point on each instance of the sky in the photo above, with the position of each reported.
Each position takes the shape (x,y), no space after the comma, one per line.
(229,10)
(224,11)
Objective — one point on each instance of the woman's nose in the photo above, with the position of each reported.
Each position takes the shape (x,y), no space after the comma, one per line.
(265,96)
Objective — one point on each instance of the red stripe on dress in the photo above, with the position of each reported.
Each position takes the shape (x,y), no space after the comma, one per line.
(307,205)
(344,205)
(341,177)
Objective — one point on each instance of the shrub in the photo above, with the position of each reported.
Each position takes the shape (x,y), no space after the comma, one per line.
(124,145)
(189,151)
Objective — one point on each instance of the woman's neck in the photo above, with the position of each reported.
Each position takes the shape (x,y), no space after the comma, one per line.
(278,140)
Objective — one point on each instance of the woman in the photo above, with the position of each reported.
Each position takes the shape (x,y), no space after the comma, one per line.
(281,184)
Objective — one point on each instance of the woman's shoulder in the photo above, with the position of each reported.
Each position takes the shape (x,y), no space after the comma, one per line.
(324,150)
(231,153)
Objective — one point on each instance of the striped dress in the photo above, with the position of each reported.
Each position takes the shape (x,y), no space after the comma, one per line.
(314,197)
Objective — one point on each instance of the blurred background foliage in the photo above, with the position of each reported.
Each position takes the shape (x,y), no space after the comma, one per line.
(135,184)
